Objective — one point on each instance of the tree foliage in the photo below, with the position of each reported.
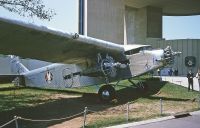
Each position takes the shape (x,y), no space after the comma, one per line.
(28,8)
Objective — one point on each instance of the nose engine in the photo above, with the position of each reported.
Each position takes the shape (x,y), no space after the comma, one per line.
(169,55)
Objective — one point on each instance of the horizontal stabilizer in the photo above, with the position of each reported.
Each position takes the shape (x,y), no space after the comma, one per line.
(17,66)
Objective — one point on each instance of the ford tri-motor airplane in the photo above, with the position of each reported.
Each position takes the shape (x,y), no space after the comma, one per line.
(90,61)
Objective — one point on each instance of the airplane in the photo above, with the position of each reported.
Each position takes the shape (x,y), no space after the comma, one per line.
(90,61)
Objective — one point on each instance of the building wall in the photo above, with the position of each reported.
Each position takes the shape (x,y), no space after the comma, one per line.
(142,23)
(154,22)
(105,20)
(188,47)
(141,26)
(135,25)
(130,24)
(118,22)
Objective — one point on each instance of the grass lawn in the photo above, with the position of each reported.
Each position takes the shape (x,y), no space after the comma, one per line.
(48,103)
(18,97)
(146,105)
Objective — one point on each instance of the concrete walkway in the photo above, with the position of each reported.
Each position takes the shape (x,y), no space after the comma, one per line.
(158,121)
(183,81)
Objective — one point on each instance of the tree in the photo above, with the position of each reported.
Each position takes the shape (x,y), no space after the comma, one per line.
(28,8)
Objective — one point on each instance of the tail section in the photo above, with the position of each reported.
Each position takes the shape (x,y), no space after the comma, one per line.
(17,66)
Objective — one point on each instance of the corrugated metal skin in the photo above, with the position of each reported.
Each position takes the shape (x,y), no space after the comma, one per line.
(5,65)
(188,47)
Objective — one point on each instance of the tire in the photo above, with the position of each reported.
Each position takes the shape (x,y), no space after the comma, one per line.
(107,93)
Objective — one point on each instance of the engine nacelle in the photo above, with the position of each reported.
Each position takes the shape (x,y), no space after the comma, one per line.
(108,66)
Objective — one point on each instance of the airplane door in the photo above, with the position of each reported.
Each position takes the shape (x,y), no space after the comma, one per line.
(68,77)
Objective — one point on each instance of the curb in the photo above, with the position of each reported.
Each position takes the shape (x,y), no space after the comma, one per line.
(195,113)
(181,115)
(142,122)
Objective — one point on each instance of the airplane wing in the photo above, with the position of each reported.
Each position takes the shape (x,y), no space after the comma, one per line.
(32,41)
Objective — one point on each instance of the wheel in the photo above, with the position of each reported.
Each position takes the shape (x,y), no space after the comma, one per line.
(107,93)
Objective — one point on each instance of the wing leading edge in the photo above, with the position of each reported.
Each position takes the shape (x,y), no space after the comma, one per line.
(42,43)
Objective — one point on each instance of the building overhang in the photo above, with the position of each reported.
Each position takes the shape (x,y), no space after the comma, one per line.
(169,7)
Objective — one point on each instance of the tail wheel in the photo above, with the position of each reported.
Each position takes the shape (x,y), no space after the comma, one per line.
(107,93)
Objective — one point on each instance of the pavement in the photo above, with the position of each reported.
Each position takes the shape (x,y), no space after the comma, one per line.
(182,81)
(192,121)
(186,120)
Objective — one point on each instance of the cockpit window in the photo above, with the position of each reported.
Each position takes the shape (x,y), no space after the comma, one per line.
(147,48)
(132,51)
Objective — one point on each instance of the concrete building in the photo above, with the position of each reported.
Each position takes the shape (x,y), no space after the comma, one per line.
(139,22)
(136,22)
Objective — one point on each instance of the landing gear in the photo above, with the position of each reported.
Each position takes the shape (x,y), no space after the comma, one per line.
(141,85)
(107,93)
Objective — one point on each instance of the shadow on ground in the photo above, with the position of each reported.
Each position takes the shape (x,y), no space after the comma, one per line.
(69,106)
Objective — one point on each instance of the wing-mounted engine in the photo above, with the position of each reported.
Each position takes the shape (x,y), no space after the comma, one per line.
(108,66)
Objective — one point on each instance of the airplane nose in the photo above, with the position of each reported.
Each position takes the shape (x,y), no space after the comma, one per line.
(158,54)
(169,55)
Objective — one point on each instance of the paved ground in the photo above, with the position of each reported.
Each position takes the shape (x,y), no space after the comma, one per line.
(192,121)
(186,122)
(183,81)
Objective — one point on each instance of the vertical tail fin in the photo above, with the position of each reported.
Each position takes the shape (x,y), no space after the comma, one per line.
(17,66)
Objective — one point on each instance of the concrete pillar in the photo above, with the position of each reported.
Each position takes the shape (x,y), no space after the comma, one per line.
(143,24)
(105,20)
(154,22)
(130,25)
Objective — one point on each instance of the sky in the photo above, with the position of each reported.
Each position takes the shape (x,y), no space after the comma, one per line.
(66,19)
(181,27)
